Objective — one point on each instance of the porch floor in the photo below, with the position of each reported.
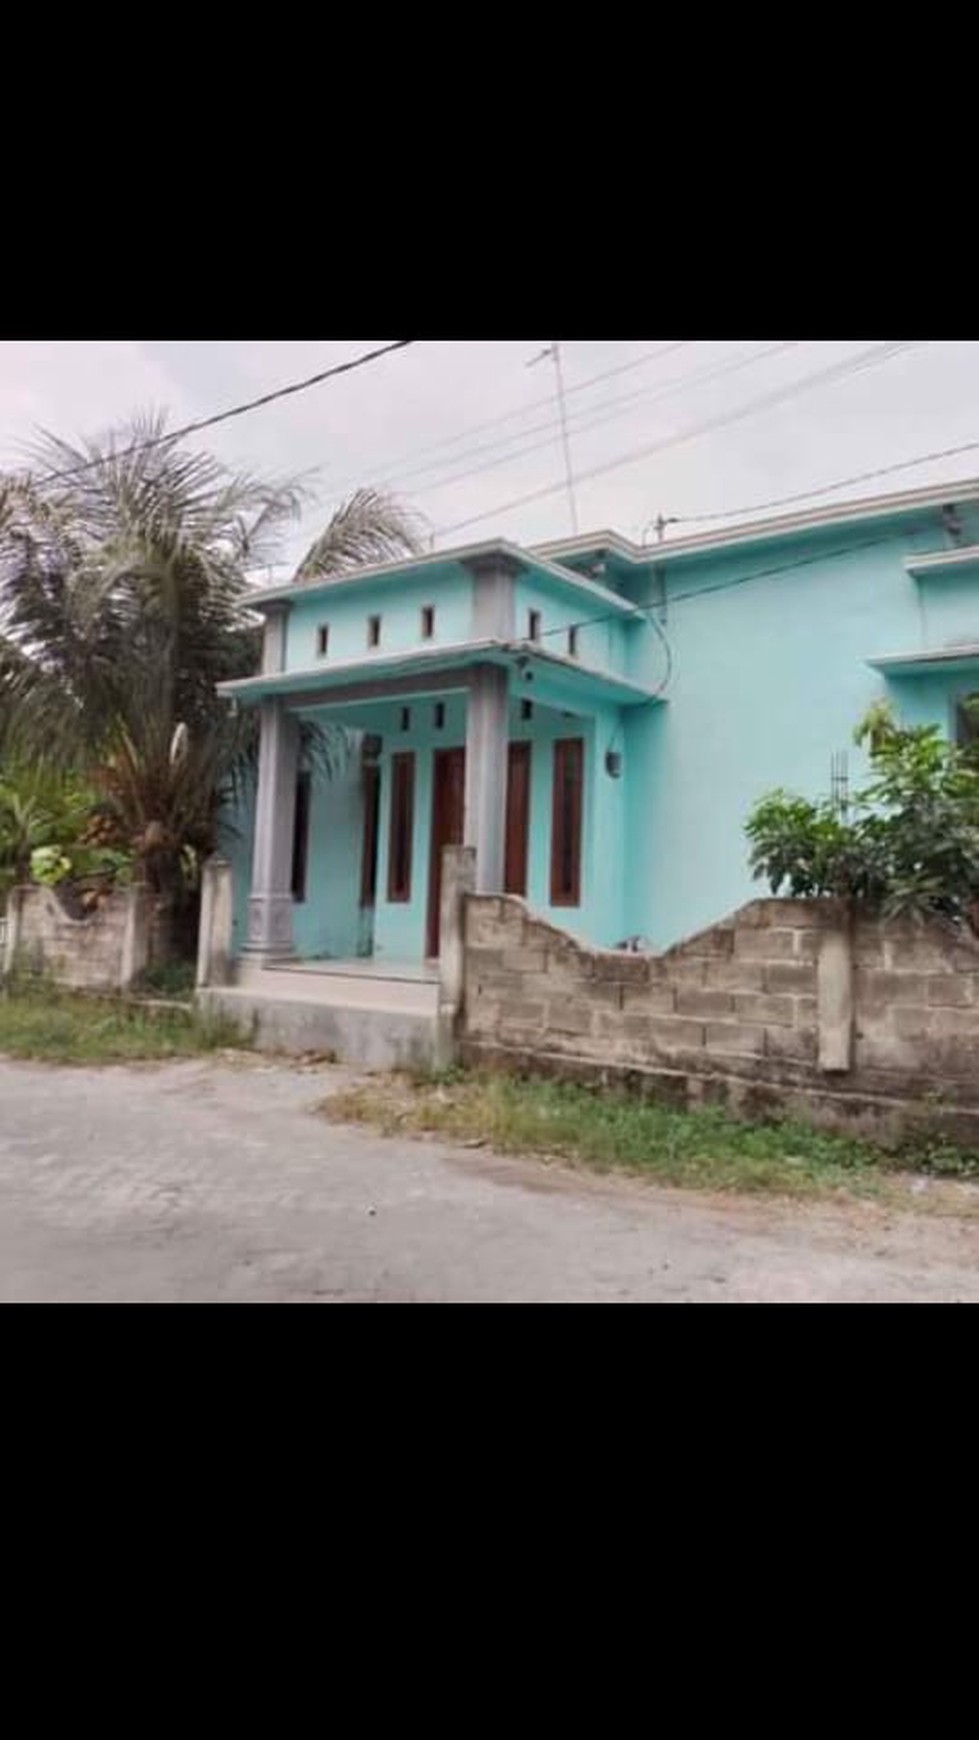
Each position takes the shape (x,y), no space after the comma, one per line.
(366,967)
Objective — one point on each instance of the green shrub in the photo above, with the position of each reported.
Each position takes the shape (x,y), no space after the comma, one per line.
(907,843)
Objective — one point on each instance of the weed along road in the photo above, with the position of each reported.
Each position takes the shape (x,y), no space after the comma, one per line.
(220,1179)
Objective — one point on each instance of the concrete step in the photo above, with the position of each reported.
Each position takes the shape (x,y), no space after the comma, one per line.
(338,989)
(376,1036)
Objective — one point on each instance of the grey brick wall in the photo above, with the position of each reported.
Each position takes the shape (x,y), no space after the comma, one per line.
(84,954)
(732,1014)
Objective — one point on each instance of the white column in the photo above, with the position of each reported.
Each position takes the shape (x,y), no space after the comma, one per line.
(270,903)
(487,732)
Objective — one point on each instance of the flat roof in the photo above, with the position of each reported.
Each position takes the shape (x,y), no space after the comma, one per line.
(430,660)
(751,531)
(431,562)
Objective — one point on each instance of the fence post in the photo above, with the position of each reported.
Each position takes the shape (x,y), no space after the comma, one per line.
(11,948)
(458,880)
(217,914)
(136,936)
(834,993)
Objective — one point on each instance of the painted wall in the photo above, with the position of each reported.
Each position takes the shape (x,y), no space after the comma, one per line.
(600,644)
(399,606)
(327,921)
(769,679)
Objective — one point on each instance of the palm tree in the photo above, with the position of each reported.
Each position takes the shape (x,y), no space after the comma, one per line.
(124,601)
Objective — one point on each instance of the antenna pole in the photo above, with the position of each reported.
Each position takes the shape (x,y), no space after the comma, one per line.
(554,352)
(565,438)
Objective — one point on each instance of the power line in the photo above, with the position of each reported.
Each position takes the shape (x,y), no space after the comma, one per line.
(864,359)
(357,362)
(827,488)
(394,465)
(694,377)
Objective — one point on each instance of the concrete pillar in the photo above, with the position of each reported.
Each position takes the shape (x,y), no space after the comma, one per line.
(274,638)
(214,935)
(834,998)
(494,596)
(458,880)
(135,936)
(487,732)
(15,904)
(270,903)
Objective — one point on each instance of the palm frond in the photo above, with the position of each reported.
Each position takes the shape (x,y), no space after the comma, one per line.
(370,526)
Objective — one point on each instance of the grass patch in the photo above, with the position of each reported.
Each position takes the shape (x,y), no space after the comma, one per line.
(169,979)
(605,1130)
(41,1021)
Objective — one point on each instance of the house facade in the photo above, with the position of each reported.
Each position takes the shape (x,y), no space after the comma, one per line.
(595,718)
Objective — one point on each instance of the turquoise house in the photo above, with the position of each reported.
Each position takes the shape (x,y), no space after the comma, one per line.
(594,717)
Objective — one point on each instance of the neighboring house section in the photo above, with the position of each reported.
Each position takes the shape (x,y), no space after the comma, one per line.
(594,717)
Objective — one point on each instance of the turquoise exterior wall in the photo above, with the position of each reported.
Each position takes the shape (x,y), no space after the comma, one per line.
(603,645)
(770,676)
(327,921)
(398,603)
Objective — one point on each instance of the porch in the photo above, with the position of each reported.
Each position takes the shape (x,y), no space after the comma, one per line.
(512,750)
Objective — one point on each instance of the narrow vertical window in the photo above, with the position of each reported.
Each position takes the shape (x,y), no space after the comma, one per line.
(300,838)
(533,625)
(406,718)
(368,860)
(402,822)
(517,818)
(322,640)
(573,641)
(566,822)
(373,631)
(526,709)
(439,715)
(428,621)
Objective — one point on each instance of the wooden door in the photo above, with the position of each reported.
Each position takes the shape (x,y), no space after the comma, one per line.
(448,811)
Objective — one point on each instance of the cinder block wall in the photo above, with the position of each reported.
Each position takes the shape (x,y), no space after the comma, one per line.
(84,954)
(732,1016)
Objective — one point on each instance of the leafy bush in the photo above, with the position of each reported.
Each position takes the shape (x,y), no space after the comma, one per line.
(907,843)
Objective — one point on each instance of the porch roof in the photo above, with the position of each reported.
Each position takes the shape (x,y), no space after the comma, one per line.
(387,673)
(927,661)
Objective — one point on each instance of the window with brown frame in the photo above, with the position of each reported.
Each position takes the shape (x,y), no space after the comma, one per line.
(300,838)
(402,823)
(368,860)
(569,756)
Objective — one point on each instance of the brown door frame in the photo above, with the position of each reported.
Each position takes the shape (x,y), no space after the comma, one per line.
(517,816)
(446,830)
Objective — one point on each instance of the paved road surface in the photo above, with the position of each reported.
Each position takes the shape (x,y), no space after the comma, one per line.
(215,1181)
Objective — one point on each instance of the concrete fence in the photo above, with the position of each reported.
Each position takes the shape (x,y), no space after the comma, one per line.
(103,952)
(785,1005)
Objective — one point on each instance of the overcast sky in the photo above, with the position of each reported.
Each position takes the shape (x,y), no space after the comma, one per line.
(415,420)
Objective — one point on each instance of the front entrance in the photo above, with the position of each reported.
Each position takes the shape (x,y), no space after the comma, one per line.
(448,821)
(448,815)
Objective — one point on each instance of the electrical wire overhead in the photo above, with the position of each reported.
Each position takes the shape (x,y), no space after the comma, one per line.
(759,507)
(396,465)
(346,368)
(872,357)
(645,395)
